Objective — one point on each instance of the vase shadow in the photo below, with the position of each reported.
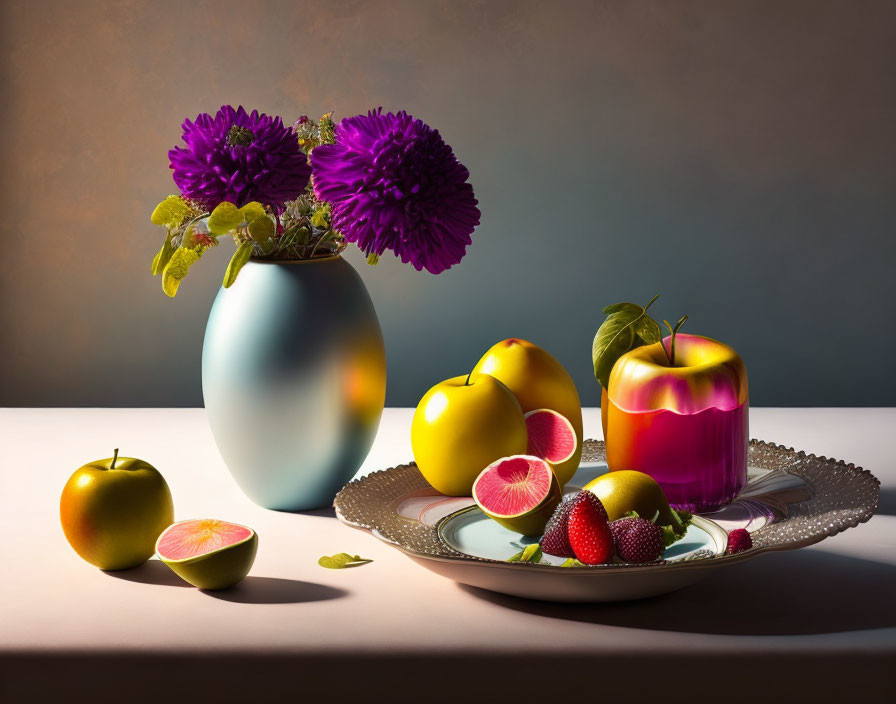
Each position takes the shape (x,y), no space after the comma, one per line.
(803,592)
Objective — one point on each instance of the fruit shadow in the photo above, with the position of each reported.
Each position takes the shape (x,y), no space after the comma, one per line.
(252,590)
(804,592)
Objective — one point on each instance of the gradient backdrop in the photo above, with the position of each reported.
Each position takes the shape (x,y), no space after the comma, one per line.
(738,157)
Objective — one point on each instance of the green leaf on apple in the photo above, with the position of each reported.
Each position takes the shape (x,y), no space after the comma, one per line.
(627,326)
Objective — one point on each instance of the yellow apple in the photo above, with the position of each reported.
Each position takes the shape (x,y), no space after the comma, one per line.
(461,426)
(113,511)
(537,380)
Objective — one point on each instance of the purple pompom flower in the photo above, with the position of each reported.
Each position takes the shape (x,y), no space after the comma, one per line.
(239,157)
(393,183)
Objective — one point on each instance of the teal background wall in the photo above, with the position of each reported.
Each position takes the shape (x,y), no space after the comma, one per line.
(739,158)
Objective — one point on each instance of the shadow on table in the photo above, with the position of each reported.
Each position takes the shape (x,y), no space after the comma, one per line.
(151,572)
(326,512)
(252,590)
(797,593)
(274,590)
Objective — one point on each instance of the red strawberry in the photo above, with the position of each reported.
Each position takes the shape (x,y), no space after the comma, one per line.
(637,540)
(739,540)
(589,531)
(556,535)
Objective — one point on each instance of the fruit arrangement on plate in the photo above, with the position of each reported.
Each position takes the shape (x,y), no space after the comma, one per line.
(509,434)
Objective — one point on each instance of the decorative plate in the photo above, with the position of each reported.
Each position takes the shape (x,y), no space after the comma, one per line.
(792,499)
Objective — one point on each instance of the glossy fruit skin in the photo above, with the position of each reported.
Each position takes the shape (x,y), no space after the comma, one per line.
(112,517)
(538,380)
(588,530)
(686,425)
(626,490)
(459,429)
(220,569)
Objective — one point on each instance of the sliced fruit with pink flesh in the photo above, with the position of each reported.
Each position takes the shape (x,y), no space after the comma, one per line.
(551,436)
(208,553)
(519,492)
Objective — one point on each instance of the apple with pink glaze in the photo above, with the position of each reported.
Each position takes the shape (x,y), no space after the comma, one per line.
(685,424)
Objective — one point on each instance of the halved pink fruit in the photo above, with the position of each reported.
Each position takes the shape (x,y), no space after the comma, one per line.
(551,436)
(519,492)
(208,553)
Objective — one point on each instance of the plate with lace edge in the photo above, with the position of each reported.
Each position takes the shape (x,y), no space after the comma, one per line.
(792,499)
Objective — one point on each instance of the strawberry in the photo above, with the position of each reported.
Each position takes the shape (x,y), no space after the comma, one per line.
(637,540)
(739,540)
(589,531)
(556,536)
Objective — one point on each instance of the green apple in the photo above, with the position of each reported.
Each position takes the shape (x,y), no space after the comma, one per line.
(113,510)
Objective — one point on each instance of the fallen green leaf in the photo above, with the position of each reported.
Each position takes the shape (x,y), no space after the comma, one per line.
(341,560)
(572,562)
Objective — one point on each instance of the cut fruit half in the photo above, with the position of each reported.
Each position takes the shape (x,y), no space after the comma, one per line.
(551,436)
(519,492)
(208,553)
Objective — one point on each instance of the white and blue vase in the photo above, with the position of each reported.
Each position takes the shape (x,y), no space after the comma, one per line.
(294,379)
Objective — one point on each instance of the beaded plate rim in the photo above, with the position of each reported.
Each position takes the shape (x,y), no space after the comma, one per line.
(843,496)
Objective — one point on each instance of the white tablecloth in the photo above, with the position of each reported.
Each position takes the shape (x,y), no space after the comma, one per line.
(819,622)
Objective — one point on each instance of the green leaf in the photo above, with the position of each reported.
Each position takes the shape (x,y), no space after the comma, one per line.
(176,269)
(572,562)
(224,218)
(616,336)
(253,211)
(242,255)
(622,308)
(341,560)
(531,553)
(672,534)
(648,330)
(288,237)
(170,212)
(321,217)
(262,231)
(163,256)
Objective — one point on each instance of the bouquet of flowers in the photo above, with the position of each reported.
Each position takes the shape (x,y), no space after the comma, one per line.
(382,181)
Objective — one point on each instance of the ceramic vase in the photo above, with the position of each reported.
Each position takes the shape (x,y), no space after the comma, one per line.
(294,379)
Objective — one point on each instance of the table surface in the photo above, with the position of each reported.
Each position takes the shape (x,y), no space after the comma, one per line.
(835,600)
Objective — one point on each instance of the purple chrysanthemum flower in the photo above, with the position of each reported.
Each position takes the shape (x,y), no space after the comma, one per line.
(239,157)
(393,183)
